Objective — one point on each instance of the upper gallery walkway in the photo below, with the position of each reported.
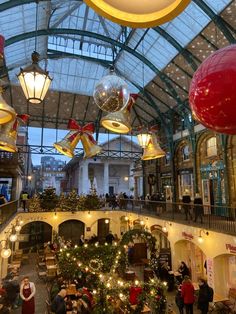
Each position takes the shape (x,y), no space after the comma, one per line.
(216,218)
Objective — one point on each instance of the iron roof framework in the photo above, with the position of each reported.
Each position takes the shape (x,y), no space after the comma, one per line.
(77,46)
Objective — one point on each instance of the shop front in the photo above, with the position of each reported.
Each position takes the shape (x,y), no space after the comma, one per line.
(185,183)
(193,256)
(166,186)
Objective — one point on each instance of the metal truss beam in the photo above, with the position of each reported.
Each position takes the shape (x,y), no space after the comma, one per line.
(183,51)
(217,19)
(66,14)
(50,150)
(48,32)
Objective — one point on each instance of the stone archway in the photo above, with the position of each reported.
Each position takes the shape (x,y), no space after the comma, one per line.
(34,234)
(224,271)
(71,230)
(193,256)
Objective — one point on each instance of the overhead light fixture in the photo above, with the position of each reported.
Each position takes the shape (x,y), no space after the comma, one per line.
(153,150)
(138,14)
(34,81)
(5,251)
(7,113)
(144,139)
(107,221)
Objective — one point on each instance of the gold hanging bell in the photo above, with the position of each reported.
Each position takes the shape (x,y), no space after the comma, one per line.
(8,136)
(153,150)
(90,146)
(7,113)
(118,122)
(67,145)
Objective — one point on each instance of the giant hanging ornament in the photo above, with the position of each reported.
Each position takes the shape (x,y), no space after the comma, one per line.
(7,113)
(68,144)
(142,13)
(119,121)
(212,95)
(111,93)
(153,149)
(2,43)
(8,134)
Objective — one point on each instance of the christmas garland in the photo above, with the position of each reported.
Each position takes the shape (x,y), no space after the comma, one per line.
(133,234)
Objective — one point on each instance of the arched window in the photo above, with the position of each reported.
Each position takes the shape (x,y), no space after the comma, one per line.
(211,147)
(185,152)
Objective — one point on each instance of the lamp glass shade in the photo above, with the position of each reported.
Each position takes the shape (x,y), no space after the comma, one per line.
(5,253)
(143,139)
(7,113)
(35,85)
(13,237)
(143,14)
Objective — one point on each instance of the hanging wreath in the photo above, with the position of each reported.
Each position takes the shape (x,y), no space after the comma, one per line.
(146,236)
(95,264)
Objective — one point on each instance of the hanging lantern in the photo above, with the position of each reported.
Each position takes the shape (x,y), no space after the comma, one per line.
(68,144)
(8,134)
(13,237)
(119,121)
(90,146)
(144,139)
(34,81)
(153,150)
(111,93)
(7,113)
(138,14)
(212,96)
(2,42)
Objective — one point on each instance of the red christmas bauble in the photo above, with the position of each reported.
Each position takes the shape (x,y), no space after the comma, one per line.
(212,93)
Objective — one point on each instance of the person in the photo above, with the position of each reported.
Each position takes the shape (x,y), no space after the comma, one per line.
(205,296)
(164,271)
(24,199)
(58,305)
(110,238)
(12,288)
(183,270)
(187,293)
(130,253)
(198,209)
(186,200)
(179,301)
(2,199)
(27,293)
(81,240)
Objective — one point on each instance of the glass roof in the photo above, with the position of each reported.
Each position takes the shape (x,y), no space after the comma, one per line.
(79,45)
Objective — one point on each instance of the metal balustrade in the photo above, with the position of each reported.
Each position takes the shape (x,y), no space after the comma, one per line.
(216,218)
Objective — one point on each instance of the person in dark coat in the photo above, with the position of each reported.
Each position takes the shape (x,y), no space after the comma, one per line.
(183,269)
(187,293)
(58,305)
(110,238)
(198,209)
(179,301)
(186,199)
(203,296)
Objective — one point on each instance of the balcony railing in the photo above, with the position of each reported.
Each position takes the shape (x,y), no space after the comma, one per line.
(7,211)
(217,218)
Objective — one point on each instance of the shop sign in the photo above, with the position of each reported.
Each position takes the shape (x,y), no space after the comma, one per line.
(187,236)
(166,175)
(230,248)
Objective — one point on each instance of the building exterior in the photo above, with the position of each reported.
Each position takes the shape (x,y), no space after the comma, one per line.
(105,173)
(51,173)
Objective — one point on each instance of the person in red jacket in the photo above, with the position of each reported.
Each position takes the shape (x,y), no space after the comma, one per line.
(187,293)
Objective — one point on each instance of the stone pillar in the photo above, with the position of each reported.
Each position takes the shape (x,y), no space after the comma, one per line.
(85,178)
(131,180)
(106,178)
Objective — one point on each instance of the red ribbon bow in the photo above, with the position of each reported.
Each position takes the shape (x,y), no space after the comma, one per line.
(87,129)
(23,118)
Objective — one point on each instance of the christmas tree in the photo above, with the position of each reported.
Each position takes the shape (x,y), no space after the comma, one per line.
(34,204)
(62,202)
(90,201)
(72,200)
(49,199)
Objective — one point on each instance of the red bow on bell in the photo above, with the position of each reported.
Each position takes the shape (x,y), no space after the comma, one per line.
(86,129)
(22,117)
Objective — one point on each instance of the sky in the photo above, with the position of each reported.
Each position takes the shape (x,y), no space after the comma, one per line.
(50,136)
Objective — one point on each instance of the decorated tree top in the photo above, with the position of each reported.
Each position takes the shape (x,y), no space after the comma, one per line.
(49,199)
